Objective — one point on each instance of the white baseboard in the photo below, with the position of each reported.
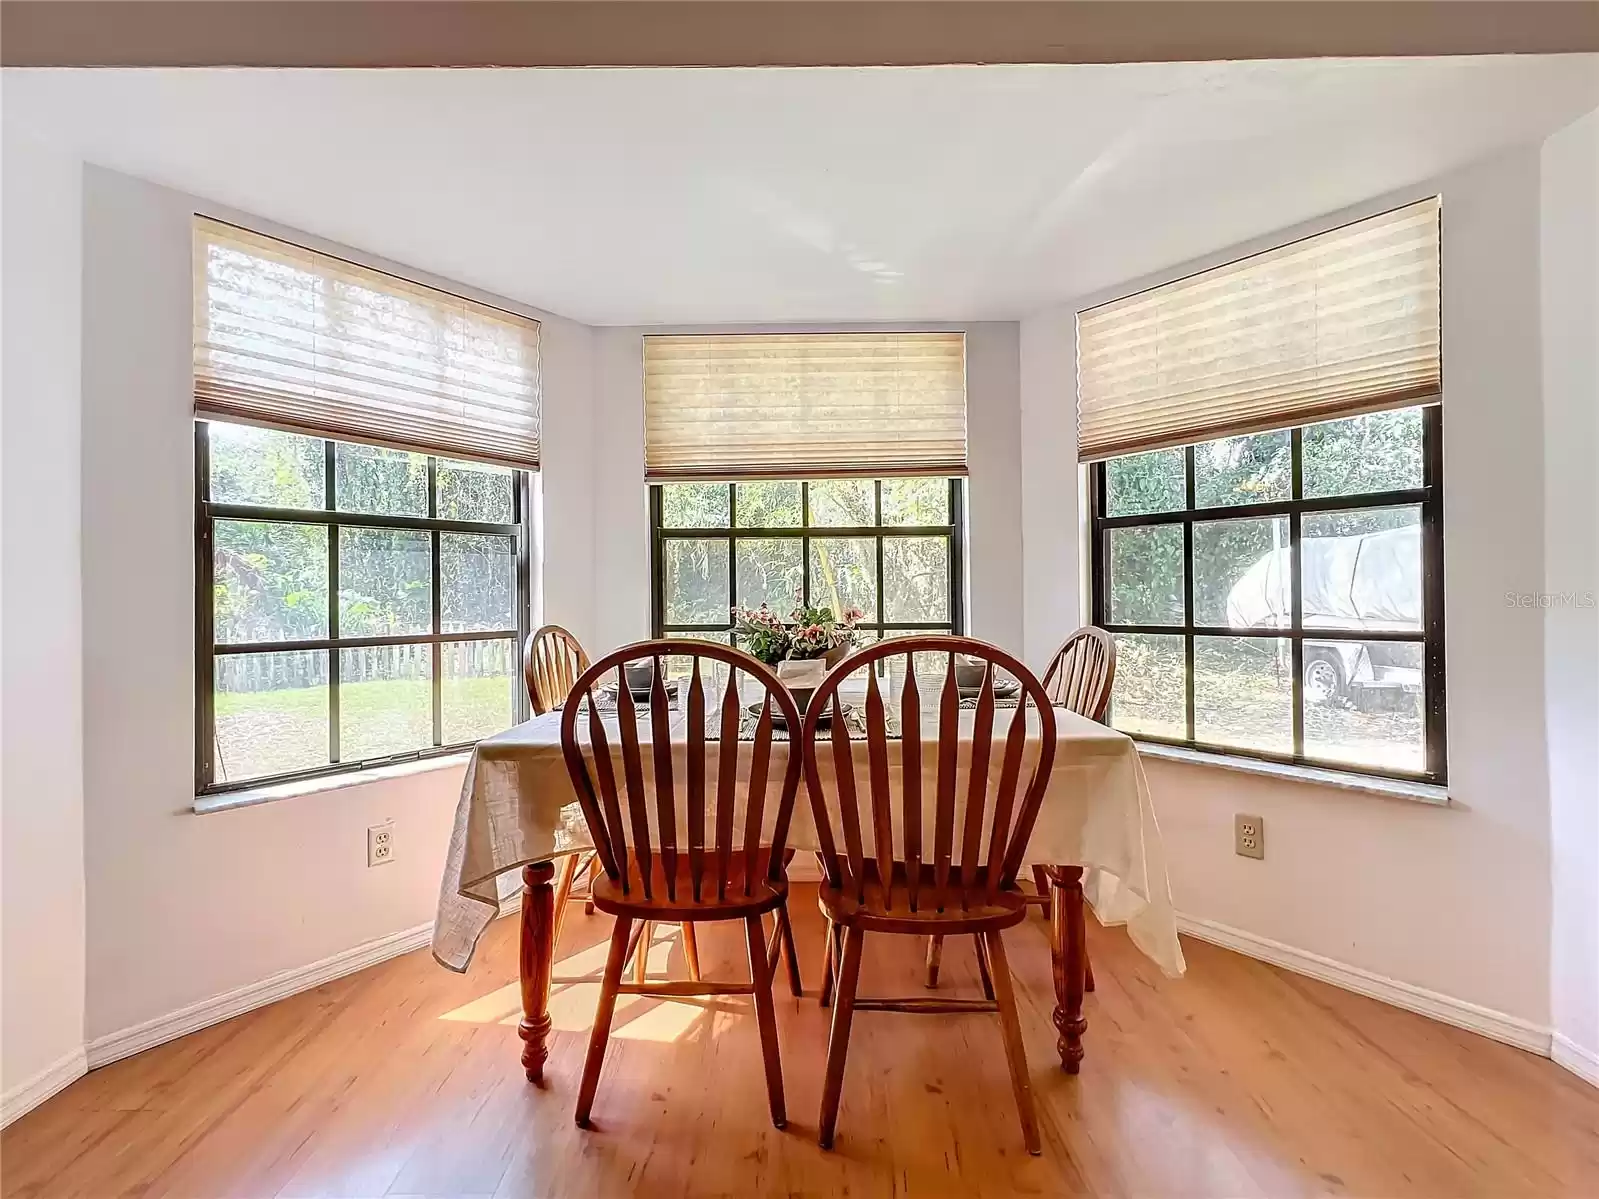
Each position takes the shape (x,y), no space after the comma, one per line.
(1500,1026)
(24,1097)
(102,1051)
(1582,1062)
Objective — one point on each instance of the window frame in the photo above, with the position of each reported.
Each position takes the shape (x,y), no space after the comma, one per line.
(208,512)
(954,532)
(1428,498)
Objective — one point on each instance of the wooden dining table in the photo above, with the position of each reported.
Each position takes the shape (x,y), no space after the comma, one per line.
(1096,836)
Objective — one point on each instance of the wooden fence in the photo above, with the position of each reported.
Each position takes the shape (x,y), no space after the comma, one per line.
(309,668)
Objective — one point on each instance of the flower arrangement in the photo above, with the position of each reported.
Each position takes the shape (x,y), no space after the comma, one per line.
(804,634)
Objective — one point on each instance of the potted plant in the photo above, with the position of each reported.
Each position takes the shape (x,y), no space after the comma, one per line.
(806,633)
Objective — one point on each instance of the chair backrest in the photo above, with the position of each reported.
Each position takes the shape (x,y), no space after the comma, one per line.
(551,662)
(1081,673)
(619,815)
(959,873)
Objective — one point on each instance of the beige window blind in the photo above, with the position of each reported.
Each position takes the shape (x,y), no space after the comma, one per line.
(804,406)
(298,340)
(1339,324)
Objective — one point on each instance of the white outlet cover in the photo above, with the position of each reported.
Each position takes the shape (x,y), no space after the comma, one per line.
(380,844)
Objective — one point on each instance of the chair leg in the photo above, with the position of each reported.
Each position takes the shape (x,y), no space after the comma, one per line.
(1015,1052)
(849,977)
(641,957)
(614,961)
(1088,970)
(594,873)
(829,965)
(984,972)
(766,1016)
(790,951)
(1041,881)
(935,955)
(691,950)
(563,892)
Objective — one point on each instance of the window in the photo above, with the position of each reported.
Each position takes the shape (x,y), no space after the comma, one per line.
(1280,594)
(890,547)
(356,605)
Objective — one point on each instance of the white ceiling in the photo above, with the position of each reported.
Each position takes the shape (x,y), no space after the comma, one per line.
(681,196)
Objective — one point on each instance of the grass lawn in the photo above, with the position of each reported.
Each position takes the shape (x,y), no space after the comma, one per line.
(269,732)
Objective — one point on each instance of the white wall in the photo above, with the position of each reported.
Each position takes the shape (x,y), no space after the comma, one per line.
(1570,317)
(182,907)
(621,512)
(1453,900)
(41,640)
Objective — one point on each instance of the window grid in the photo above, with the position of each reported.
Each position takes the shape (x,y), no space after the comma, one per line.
(208,651)
(1428,498)
(953,533)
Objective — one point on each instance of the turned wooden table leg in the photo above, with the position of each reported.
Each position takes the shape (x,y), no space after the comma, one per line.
(538,954)
(1070,960)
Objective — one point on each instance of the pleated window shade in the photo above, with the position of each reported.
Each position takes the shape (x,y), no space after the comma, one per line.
(294,339)
(804,406)
(1339,324)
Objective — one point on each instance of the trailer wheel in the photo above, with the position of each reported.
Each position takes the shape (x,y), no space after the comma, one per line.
(1324,678)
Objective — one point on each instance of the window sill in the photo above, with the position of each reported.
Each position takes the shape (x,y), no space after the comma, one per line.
(227,800)
(1367,784)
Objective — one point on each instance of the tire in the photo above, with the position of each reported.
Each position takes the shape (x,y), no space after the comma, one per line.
(1323,679)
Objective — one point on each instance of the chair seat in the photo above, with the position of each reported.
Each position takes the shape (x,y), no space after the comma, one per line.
(679,903)
(889,909)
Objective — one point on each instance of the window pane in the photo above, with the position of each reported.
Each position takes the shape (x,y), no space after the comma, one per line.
(385,582)
(270,581)
(916,502)
(1243,575)
(385,700)
(1151,681)
(713,675)
(1146,575)
(263,466)
(271,713)
(479,688)
(1364,703)
(851,503)
(1379,452)
(694,505)
(696,581)
(844,574)
(769,505)
(477,585)
(1243,692)
(1252,469)
(1140,483)
(916,578)
(468,491)
(1362,569)
(769,572)
(388,482)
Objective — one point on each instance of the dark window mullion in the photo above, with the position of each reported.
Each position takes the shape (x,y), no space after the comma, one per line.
(330,501)
(1296,644)
(437,583)
(877,501)
(805,545)
(1188,594)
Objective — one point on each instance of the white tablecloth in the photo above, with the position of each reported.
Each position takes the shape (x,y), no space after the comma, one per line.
(518,806)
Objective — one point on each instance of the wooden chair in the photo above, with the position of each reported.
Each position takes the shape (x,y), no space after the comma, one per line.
(1079,678)
(912,881)
(733,875)
(551,661)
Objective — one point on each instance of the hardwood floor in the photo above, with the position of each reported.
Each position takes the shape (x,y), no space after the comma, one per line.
(404,1080)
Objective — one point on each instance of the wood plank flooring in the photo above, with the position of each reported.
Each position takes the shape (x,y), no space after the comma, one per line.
(1240,1080)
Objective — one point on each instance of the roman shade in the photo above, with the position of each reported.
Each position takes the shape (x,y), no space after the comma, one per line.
(804,405)
(295,339)
(1335,325)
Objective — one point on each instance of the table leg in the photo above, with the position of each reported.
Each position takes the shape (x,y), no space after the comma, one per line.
(1069,960)
(538,954)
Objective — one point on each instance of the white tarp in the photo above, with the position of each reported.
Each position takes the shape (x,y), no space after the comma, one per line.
(1370,581)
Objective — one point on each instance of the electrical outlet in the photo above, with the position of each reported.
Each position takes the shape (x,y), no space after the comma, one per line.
(1249,836)
(380,844)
